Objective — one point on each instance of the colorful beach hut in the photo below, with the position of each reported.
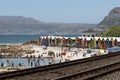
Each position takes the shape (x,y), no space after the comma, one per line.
(116,42)
(108,43)
(91,43)
(112,42)
(85,43)
(94,43)
(102,43)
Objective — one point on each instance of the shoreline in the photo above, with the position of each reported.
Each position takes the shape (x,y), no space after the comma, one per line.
(10,44)
(32,49)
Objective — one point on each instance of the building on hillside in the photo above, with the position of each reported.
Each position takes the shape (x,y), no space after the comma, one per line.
(90,33)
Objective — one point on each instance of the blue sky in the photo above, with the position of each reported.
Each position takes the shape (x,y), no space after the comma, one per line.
(67,11)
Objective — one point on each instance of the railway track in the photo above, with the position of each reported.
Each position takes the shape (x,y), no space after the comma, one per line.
(55,68)
(92,73)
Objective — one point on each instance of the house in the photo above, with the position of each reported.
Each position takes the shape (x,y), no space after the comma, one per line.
(90,33)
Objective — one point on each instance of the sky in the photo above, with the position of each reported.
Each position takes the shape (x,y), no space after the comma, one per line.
(67,11)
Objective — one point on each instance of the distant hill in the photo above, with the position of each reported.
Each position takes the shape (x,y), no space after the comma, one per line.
(28,25)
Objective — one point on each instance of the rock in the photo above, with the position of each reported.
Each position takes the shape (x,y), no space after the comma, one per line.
(31,42)
(16,50)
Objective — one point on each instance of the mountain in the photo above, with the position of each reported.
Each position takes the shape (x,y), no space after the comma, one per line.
(27,25)
(112,19)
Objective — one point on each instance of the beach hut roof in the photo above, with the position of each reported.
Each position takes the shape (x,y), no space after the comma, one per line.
(87,38)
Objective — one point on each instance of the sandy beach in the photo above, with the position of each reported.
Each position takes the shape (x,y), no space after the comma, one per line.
(28,50)
(72,54)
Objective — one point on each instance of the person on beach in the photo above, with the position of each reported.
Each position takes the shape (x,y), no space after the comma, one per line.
(20,64)
(76,53)
(23,65)
(84,54)
(28,60)
(69,48)
(60,61)
(12,64)
(30,56)
(35,64)
(50,63)
(59,55)
(27,56)
(33,57)
(53,55)
(31,63)
(87,51)
(8,63)
(39,56)
(38,62)
(2,64)
(1,55)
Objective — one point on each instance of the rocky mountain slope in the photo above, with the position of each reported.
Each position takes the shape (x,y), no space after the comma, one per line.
(112,19)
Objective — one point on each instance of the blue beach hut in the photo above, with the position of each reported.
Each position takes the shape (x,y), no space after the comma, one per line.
(108,43)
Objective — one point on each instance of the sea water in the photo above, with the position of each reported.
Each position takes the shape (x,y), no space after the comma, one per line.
(25,62)
(15,39)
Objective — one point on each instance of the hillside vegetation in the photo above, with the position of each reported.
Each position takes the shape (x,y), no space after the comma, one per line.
(112,32)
